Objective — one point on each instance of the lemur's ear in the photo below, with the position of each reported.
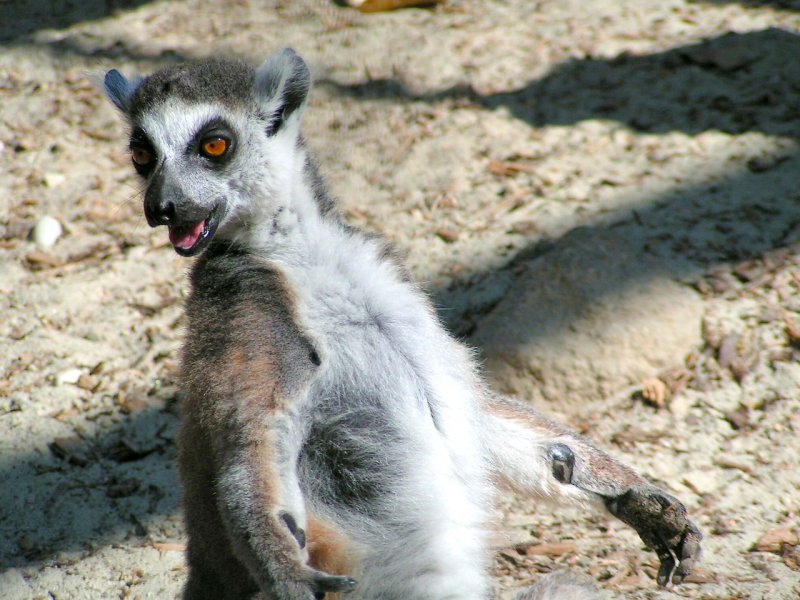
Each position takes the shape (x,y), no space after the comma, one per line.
(282,85)
(119,90)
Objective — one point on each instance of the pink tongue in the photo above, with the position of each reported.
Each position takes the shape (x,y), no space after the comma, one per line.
(186,238)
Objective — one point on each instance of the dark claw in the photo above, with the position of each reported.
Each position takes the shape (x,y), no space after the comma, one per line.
(666,568)
(563,462)
(297,532)
(661,522)
(322,583)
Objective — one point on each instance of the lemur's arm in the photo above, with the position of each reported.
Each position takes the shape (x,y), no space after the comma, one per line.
(246,367)
(534,455)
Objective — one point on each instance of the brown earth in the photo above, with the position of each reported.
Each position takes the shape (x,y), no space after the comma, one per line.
(491,141)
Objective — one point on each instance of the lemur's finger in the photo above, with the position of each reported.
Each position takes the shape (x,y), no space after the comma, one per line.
(689,553)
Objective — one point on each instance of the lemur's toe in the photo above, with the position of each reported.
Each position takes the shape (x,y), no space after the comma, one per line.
(322,582)
(297,532)
(563,462)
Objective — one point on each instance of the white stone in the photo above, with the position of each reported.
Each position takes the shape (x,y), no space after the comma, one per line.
(52,180)
(46,232)
(69,376)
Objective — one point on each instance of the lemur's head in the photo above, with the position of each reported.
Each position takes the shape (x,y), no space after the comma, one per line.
(210,138)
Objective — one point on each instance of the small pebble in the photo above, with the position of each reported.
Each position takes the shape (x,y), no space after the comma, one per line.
(52,180)
(71,376)
(46,232)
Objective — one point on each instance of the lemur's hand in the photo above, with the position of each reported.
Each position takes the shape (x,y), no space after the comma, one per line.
(661,522)
(658,518)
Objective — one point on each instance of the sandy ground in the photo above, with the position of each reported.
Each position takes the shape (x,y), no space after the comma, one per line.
(479,136)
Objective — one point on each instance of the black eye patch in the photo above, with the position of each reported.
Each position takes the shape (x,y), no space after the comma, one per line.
(215,143)
(143,154)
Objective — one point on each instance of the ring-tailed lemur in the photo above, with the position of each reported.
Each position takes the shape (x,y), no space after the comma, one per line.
(334,437)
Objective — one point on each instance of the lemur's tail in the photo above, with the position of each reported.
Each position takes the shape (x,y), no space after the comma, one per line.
(561,585)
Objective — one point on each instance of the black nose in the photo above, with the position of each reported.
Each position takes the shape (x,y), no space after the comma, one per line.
(163,200)
(164,212)
(159,212)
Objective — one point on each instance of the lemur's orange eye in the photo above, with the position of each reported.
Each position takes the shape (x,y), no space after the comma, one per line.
(215,147)
(141,156)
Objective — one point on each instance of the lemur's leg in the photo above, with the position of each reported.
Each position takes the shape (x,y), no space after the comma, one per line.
(534,455)
(255,498)
(215,573)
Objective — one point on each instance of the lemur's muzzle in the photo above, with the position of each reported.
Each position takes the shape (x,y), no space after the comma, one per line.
(190,239)
(191,227)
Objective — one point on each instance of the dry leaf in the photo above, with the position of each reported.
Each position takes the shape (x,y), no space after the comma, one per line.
(124,488)
(369,6)
(447,235)
(775,539)
(552,549)
(37,260)
(739,418)
(167,547)
(701,576)
(655,392)
(793,331)
(509,169)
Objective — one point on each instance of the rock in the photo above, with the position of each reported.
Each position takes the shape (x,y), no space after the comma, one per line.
(587,319)
(46,232)
(72,449)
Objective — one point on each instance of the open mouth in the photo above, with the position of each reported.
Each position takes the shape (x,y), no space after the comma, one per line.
(191,239)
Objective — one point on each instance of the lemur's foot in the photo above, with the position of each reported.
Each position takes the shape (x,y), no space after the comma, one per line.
(319,581)
(307,584)
(661,522)
(323,583)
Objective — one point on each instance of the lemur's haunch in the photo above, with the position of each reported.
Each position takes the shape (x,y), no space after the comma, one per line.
(335,438)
